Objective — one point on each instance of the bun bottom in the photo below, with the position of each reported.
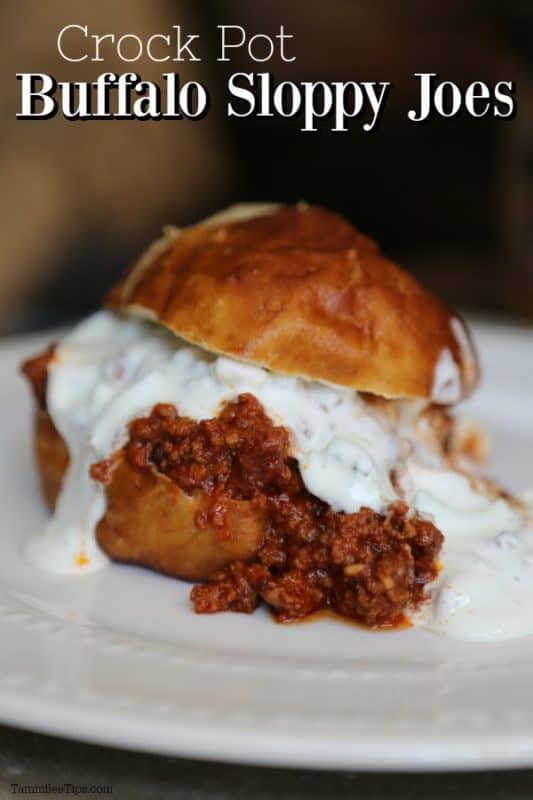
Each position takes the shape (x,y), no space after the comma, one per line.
(52,457)
(150,521)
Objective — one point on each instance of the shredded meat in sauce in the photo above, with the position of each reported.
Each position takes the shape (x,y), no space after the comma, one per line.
(366,566)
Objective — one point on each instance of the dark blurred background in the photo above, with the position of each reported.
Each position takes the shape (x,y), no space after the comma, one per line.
(452,200)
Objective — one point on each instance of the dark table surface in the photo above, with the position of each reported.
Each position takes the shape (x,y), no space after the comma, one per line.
(33,760)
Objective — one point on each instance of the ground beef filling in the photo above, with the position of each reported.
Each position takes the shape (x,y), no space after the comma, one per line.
(366,566)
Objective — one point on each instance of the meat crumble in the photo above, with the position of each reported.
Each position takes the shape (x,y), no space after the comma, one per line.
(367,566)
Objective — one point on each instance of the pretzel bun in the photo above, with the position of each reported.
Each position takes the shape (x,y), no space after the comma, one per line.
(52,457)
(298,290)
(294,289)
(149,521)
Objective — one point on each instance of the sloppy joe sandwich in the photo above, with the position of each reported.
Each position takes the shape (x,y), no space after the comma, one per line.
(264,407)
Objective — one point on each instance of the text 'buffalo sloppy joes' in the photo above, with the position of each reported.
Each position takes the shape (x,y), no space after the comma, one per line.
(263,407)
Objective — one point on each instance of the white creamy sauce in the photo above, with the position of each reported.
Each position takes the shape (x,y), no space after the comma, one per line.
(485,592)
(109,371)
(446,380)
(485,589)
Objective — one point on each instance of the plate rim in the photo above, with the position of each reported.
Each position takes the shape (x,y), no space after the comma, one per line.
(210,738)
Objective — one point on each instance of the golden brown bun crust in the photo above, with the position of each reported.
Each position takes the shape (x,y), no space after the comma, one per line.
(52,457)
(150,522)
(301,292)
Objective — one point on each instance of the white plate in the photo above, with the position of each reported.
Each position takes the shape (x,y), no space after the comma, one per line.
(119,658)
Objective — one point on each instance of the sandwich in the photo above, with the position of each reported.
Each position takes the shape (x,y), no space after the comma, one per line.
(264,407)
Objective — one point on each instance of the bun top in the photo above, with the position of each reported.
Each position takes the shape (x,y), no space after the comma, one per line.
(299,291)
